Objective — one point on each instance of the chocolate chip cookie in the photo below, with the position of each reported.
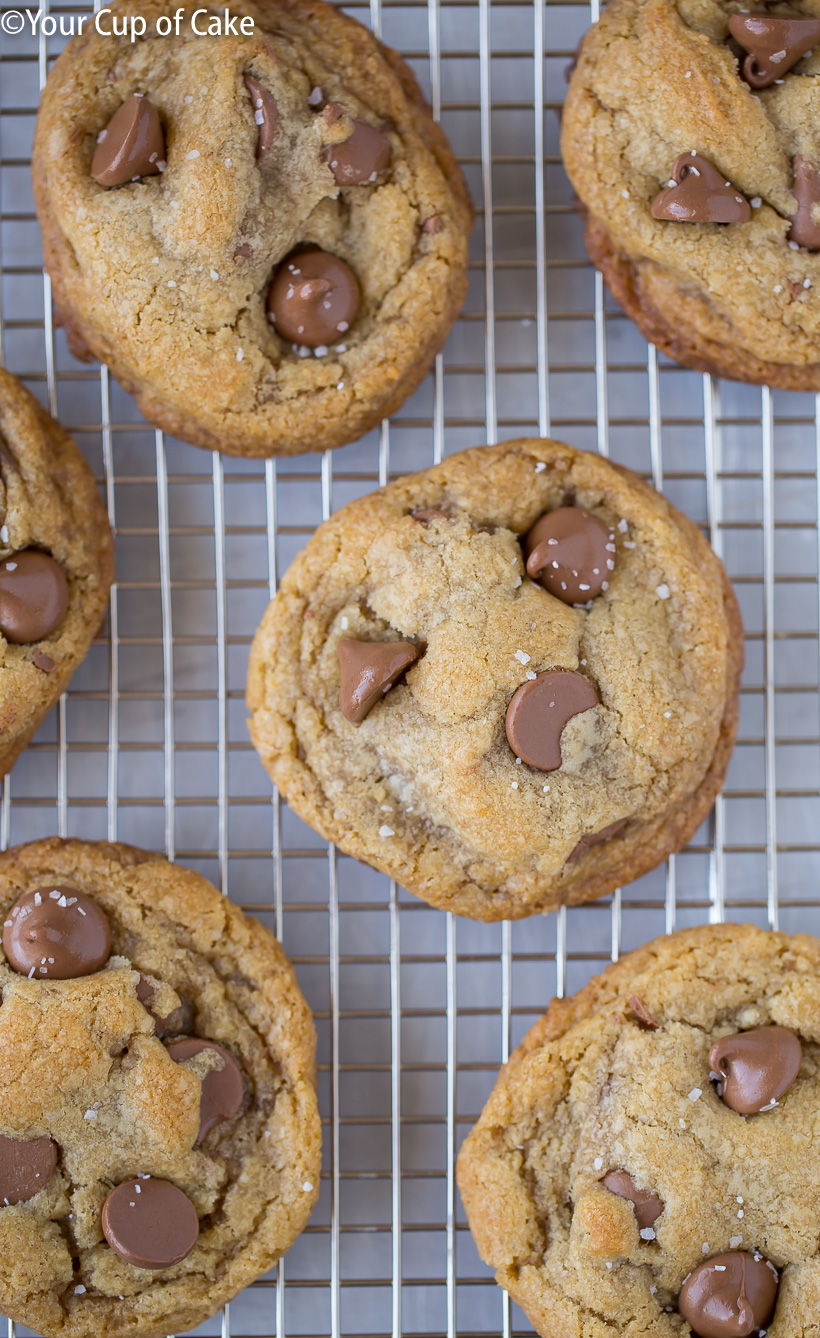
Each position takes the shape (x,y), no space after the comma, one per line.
(264,235)
(690,137)
(509,682)
(159,1136)
(56,564)
(646,1163)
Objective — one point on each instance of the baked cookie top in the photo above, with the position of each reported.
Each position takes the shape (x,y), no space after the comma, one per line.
(427,787)
(657,79)
(171,1174)
(56,563)
(612,1186)
(246,149)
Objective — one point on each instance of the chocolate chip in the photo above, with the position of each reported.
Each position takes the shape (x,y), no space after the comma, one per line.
(266,115)
(806,190)
(26,1166)
(540,709)
(150,1223)
(571,553)
(166,1025)
(596,838)
(132,144)
(360,157)
(756,1067)
(424,516)
(433,224)
(333,112)
(647,1204)
(369,670)
(42,661)
(223,1089)
(642,1014)
(729,1296)
(56,933)
(699,193)
(243,252)
(33,596)
(775,43)
(314,297)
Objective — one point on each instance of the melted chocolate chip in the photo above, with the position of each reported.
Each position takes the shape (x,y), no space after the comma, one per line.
(223,1089)
(369,670)
(26,1166)
(756,1067)
(314,298)
(43,662)
(647,1204)
(150,1223)
(806,190)
(775,43)
(597,838)
(360,157)
(424,516)
(699,193)
(33,596)
(163,1026)
(266,115)
(56,933)
(571,553)
(729,1296)
(642,1015)
(540,709)
(132,144)
(433,224)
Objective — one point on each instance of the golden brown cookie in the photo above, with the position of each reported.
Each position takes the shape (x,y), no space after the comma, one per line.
(178,182)
(611,1183)
(715,257)
(56,564)
(172,1172)
(622,709)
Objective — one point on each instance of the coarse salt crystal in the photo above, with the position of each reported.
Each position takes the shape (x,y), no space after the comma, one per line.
(240,355)
(734,1241)
(315,97)
(192,155)
(653,1290)
(11,566)
(531,675)
(4,534)
(540,467)
(345,624)
(522,657)
(259,117)
(720,1268)
(188,98)
(79,1291)
(667,715)
(662,591)
(623,526)
(794,246)
(172,283)
(608,1264)
(90,1115)
(778,288)
(214,274)
(740,1213)
(514,785)
(598,1163)
(307,1186)
(320,351)
(705,1247)
(386,831)
(756,202)
(647,1233)
(695,1094)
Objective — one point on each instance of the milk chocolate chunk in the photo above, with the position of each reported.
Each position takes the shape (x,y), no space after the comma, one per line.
(56,933)
(775,42)
(756,1067)
(150,1223)
(729,1296)
(571,553)
(360,157)
(314,298)
(540,709)
(806,190)
(26,1166)
(265,113)
(647,1204)
(597,838)
(369,670)
(132,144)
(223,1089)
(699,193)
(33,596)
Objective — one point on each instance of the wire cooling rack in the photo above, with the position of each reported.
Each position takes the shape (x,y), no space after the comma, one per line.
(415,1010)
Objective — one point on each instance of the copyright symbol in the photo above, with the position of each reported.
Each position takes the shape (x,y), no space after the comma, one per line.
(12,22)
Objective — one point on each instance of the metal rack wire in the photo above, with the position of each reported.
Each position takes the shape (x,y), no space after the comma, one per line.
(415,1010)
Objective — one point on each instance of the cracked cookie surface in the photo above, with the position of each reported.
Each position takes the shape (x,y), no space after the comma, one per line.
(427,787)
(48,502)
(166,278)
(80,1063)
(594,1090)
(659,78)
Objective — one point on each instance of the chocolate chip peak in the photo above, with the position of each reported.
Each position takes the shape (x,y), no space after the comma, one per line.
(150,1223)
(699,193)
(647,1204)
(775,42)
(571,553)
(756,1067)
(729,1296)
(369,670)
(596,838)
(56,933)
(26,1166)
(360,157)
(806,190)
(540,709)
(33,596)
(266,115)
(132,144)
(222,1089)
(314,298)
